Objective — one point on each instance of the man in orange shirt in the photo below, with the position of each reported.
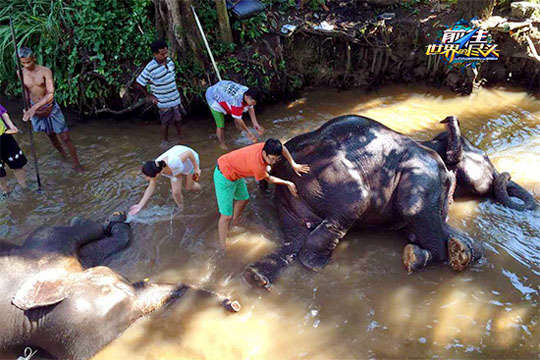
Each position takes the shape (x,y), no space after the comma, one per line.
(250,161)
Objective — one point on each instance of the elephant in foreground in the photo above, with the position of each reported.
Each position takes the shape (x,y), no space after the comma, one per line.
(475,174)
(363,174)
(50,301)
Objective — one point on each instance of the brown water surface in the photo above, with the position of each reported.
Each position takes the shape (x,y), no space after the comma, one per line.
(363,304)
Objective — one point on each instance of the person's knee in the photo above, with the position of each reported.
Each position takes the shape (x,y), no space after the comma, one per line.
(226,218)
(65,137)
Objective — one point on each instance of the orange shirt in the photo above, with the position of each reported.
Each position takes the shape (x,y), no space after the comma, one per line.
(244,162)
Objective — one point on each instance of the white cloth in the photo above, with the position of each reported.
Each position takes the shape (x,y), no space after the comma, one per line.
(175,164)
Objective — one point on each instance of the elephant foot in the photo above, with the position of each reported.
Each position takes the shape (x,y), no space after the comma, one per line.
(415,258)
(76,221)
(116,218)
(255,278)
(312,259)
(459,254)
(231,306)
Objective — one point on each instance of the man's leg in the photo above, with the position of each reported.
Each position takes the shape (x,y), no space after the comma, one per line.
(178,128)
(219,118)
(241,196)
(223,229)
(176,189)
(165,132)
(67,140)
(224,195)
(20,174)
(239,206)
(54,141)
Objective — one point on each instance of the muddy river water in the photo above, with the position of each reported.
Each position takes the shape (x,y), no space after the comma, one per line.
(363,304)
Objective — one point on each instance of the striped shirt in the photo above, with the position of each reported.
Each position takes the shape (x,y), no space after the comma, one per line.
(227,97)
(162,82)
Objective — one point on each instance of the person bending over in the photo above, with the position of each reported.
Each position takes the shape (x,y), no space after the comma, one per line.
(250,161)
(179,163)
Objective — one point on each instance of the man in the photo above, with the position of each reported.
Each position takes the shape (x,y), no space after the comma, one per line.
(159,73)
(250,161)
(44,111)
(10,153)
(227,97)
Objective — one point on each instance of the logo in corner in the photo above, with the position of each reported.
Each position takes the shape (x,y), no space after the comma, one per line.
(464,44)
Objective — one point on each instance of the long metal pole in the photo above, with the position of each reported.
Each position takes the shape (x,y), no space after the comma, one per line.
(205,42)
(26,105)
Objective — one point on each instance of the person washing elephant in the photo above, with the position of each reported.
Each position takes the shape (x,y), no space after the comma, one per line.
(229,98)
(180,164)
(250,161)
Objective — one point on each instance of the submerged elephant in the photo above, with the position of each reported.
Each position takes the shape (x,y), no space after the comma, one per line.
(48,300)
(363,174)
(475,174)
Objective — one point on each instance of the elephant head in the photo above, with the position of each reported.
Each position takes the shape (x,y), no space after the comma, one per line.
(475,174)
(50,301)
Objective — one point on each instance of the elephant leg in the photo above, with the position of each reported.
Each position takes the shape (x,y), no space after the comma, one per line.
(322,241)
(97,252)
(86,230)
(264,272)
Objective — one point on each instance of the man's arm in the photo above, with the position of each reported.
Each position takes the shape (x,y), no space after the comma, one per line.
(254,121)
(142,89)
(189,155)
(240,124)
(279,181)
(49,94)
(298,168)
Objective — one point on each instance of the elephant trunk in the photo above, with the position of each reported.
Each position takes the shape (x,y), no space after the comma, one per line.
(150,297)
(504,189)
(454,148)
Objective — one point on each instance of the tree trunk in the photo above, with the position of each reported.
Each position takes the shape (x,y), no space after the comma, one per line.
(482,9)
(223,19)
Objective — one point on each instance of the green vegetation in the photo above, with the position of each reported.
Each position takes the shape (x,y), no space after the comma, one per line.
(91,47)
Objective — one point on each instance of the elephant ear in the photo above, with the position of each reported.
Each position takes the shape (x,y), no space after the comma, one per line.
(43,289)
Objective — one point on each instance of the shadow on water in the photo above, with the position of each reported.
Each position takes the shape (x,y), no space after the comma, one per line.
(363,304)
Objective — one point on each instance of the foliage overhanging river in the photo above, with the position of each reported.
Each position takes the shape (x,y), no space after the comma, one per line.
(363,304)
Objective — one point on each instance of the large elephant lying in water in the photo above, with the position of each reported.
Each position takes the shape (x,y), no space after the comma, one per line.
(48,300)
(364,174)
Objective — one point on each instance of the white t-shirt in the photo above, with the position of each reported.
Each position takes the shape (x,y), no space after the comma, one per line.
(173,160)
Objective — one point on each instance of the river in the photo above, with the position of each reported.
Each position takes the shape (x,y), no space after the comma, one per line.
(363,304)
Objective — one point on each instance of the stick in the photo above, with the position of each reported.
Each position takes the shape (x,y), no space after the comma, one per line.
(26,107)
(205,42)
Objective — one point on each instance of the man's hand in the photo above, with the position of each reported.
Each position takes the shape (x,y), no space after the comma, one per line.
(259,129)
(13,130)
(292,189)
(251,137)
(300,169)
(28,114)
(152,99)
(134,209)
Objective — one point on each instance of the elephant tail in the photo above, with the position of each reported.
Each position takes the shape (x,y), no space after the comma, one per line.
(504,189)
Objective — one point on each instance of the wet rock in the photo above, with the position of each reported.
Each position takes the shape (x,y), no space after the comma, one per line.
(525,9)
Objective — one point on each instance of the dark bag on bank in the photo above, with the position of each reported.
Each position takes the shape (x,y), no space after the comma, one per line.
(243,9)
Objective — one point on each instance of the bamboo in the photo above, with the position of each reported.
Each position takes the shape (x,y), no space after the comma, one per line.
(206,42)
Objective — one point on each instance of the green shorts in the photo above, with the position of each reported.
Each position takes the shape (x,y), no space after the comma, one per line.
(227,191)
(219,118)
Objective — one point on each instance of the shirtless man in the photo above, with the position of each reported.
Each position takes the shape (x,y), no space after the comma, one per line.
(44,111)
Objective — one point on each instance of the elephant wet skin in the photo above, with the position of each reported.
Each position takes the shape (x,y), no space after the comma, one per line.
(48,300)
(475,174)
(364,174)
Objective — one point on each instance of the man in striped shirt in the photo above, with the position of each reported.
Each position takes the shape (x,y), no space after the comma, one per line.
(228,97)
(159,74)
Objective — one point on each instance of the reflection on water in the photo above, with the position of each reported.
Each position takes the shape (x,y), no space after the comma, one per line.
(363,304)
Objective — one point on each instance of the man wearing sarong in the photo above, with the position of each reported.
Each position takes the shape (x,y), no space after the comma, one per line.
(44,112)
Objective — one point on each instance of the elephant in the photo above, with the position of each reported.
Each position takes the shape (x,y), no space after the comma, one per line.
(363,174)
(475,174)
(50,301)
